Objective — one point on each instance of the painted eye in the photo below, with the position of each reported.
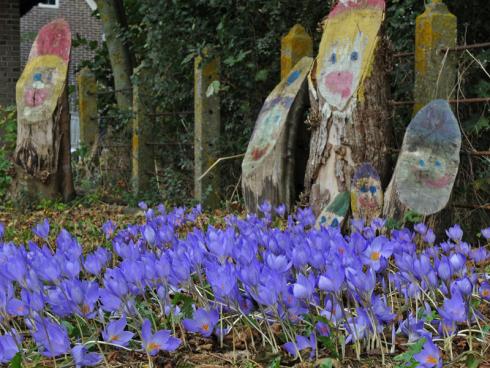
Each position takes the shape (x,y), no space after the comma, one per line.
(438,163)
(354,56)
(333,58)
(372,189)
(364,189)
(38,77)
(421,163)
(335,223)
(323,220)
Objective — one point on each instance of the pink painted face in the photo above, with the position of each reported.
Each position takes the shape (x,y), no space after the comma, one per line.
(40,87)
(341,71)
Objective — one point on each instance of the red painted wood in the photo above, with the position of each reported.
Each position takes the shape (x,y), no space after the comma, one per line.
(53,39)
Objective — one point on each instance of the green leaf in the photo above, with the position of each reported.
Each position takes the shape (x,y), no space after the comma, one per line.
(213,88)
(326,363)
(472,362)
(276,363)
(187,303)
(261,75)
(16,361)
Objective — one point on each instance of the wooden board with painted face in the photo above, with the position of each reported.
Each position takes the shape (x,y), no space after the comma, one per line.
(346,51)
(39,90)
(264,167)
(43,130)
(335,214)
(429,159)
(366,194)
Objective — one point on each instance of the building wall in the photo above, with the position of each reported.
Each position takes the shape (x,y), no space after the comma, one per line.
(79,15)
(9,50)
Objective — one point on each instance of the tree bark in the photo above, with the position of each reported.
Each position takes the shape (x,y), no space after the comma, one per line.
(119,53)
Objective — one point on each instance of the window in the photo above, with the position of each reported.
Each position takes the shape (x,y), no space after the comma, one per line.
(49,3)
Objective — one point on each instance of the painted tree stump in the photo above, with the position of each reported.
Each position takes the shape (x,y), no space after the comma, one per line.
(349,97)
(43,121)
(366,194)
(269,164)
(427,165)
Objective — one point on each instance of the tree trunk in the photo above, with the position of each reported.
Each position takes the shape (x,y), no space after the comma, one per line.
(273,160)
(42,154)
(350,103)
(119,53)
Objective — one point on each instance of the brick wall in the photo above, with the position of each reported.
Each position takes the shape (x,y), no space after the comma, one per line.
(9,50)
(78,14)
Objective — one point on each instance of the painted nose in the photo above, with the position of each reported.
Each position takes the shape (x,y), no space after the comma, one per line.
(339,83)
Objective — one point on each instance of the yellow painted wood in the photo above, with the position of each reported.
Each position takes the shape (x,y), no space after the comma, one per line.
(294,46)
(435,72)
(87,99)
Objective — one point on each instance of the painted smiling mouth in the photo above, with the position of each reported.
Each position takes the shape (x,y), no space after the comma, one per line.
(430,182)
(35,96)
(368,203)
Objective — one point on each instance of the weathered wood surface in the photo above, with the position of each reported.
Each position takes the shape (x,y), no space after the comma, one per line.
(435,71)
(349,90)
(207,127)
(269,165)
(427,165)
(366,194)
(43,120)
(89,114)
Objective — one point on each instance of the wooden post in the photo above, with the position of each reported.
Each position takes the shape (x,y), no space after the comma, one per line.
(141,158)
(42,153)
(435,70)
(294,46)
(87,97)
(206,130)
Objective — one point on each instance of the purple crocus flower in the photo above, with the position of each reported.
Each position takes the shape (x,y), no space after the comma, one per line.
(302,343)
(333,279)
(379,250)
(2,230)
(160,340)
(413,328)
(109,228)
(421,228)
(280,210)
(429,357)
(430,237)
(304,286)
(485,290)
(444,269)
(115,334)
(51,338)
(8,346)
(203,322)
(457,261)
(42,229)
(454,309)
(82,358)
(455,233)
(486,233)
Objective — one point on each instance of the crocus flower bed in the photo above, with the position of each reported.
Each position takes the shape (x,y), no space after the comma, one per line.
(304,292)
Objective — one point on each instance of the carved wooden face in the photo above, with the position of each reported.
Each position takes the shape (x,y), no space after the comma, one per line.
(40,86)
(429,160)
(346,54)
